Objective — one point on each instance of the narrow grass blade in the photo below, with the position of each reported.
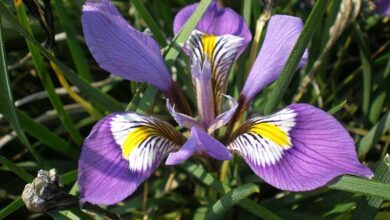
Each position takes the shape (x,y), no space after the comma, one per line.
(362,186)
(366,68)
(103,100)
(198,172)
(11,208)
(295,56)
(247,11)
(147,101)
(230,199)
(47,137)
(158,35)
(375,133)
(7,102)
(18,171)
(368,207)
(69,177)
(45,78)
(77,53)
(337,108)
(177,44)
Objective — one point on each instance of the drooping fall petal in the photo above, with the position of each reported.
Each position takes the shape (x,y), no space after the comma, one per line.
(298,148)
(120,49)
(122,150)
(281,35)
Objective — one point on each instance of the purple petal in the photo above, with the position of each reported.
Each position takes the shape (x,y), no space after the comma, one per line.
(223,118)
(216,21)
(282,33)
(382,7)
(111,166)
(201,74)
(120,49)
(182,119)
(209,145)
(221,52)
(317,149)
(184,153)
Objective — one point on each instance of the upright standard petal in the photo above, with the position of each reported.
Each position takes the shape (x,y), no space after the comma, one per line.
(298,148)
(120,49)
(282,33)
(215,21)
(122,150)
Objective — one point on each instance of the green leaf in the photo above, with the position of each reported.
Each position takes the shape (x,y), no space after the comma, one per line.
(179,40)
(103,100)
(159,36)
(206,178)
(337,108)
(175,47)
(46,80)
(295,56)
(11,208)
(7,102)
(15,169)
(46,136)
(231,198)
(366,68)
(375,133)
(362,186)
(368,207)
(77,53)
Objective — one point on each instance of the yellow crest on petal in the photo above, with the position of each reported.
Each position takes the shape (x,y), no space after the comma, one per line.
(209,42)
(272,132)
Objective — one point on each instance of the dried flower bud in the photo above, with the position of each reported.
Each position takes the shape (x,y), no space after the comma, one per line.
(44,193)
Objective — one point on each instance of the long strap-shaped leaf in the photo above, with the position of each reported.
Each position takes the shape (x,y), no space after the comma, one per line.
(368,206)
(177,43)
(375,133)
(198,172)
(295,56)
(7,106)
(230,199)
(75,49)
(103,100)
(362,186)
(45,78)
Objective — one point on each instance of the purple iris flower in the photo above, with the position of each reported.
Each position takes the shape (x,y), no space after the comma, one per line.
(382,7)
(298,148)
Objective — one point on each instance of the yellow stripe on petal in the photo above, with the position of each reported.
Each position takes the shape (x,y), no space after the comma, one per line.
(273,133)
(135,138)
(209,42)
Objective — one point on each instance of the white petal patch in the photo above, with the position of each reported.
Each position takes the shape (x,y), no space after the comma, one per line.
(265,139)
(145,141)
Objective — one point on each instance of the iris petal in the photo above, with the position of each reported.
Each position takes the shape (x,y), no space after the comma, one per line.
(297,149)
(223,118)
(216,21)
(122,150)
(282,33)
(120,49)
(220,52)
(382,7)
